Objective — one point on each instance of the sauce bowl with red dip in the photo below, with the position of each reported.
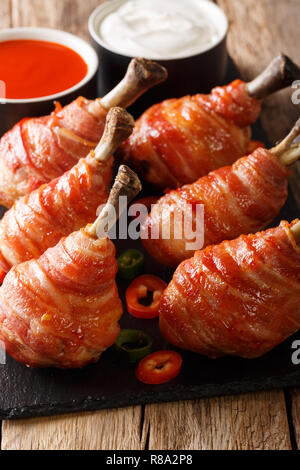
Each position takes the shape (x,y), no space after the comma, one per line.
(40,66)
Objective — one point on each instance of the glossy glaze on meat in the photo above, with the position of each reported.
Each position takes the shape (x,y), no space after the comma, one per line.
(62,310)
(179,140)
(239,199)
(37,221)
(238,298)
(39,150)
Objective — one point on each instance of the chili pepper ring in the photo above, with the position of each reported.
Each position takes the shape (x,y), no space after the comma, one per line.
(134,345)
(138,290)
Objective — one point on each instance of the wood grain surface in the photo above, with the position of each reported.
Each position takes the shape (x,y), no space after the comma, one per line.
(106,430)
(257,421)
(258,31)
(5,14)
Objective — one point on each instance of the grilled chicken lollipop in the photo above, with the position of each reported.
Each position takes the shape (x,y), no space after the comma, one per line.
(178,141)
(39,220)
(239,298)
(38,150)
(239,199)
(62,310)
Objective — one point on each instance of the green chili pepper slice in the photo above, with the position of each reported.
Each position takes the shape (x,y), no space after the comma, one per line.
(134,345)
(130,264)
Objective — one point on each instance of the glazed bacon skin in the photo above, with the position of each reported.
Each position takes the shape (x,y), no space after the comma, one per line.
(39,150)
(39,220)
(179,140)
(239,298)
(62,310)
(239,199)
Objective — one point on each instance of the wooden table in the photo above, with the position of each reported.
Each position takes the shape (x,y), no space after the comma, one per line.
(268,420)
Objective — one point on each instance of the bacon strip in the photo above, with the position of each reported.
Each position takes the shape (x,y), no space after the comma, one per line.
(38,150)
(39,220)
(243,198)
(62,310)
(238,298)
(180,140)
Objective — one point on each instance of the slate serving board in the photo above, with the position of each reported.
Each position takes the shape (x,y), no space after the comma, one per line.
(27,393)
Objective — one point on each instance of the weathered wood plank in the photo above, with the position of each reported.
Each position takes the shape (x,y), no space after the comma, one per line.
(5,22)
(5,14)
(295,397)
(119,429)
(69,15)
(259,31)
(104,430)
(248,422)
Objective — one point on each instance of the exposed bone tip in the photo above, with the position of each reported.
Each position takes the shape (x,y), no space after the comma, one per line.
(141,75)
(290,71)
(280,74)
(295,230)
(119,122)
(129,179)
(297,128)
(119,126)
(281,59)
(126,184)
(148,71)
(288,151)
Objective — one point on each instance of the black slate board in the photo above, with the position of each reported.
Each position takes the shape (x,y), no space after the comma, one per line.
(31,393)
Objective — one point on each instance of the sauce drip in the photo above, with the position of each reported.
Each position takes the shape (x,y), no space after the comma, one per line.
(35,69)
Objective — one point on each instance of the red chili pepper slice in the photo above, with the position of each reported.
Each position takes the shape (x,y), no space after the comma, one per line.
(138,290)
(159,367)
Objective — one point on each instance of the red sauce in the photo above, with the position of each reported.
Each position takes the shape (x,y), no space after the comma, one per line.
(34,69)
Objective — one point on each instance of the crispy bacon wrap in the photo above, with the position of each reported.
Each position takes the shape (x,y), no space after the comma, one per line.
(39,220)
(242,198)
(62,310)
(179,140)
(39,150)
(239,298)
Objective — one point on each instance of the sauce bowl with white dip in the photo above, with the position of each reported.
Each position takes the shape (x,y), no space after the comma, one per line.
(188,37)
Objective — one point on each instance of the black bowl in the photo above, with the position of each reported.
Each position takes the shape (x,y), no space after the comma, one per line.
(190,75)
(12,111)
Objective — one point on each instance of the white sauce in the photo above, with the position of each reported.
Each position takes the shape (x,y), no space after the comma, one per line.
(157,29)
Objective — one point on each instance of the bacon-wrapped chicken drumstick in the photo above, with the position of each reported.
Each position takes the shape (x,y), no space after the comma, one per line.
(178,141)
(62,310)
(39,220)
(239,298)
(239,199)
(36,151)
